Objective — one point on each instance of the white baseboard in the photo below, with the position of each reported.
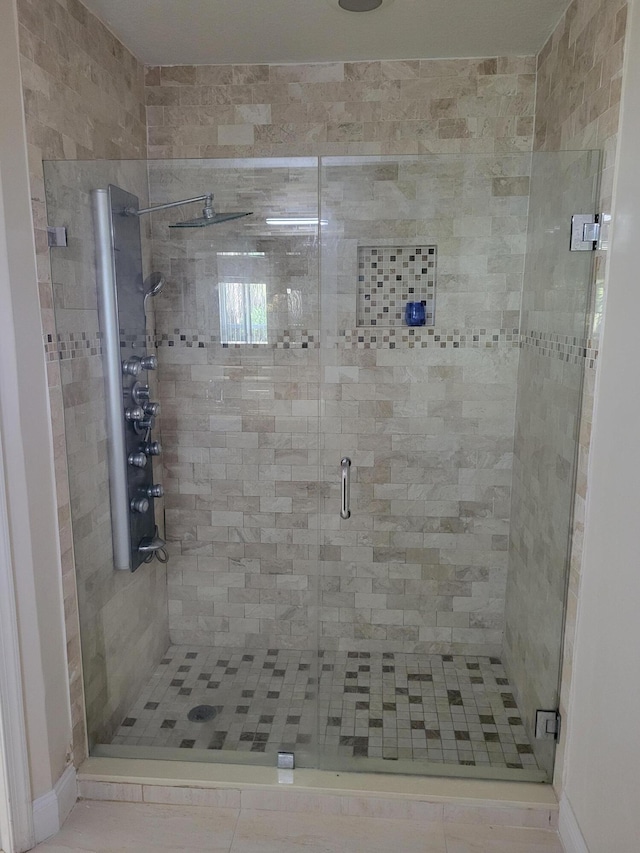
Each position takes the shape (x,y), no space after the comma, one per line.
(568,829)
(52,809)
(66,789)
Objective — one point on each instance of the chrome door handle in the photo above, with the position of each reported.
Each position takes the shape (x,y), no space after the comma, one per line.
(345,468)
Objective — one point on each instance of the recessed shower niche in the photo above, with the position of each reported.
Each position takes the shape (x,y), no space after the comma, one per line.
(404,638)
(391,276)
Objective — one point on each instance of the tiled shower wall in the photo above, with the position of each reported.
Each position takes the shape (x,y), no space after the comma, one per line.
(426,417)
(73,67)
(422,563)
(240,422)
(425,414)
(577,107)
(379,107)
(83,95)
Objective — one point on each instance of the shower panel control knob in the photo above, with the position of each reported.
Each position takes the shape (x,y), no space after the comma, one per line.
(151,448)
(139,393)
(149,362)
(152,409)
(155,491)
(134,414)
(139,504)
(132,366)
(144,425)
(138,460)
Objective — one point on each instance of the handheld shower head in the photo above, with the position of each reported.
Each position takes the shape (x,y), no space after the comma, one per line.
(153,285)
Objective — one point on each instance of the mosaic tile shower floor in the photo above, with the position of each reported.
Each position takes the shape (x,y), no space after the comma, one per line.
(451,709)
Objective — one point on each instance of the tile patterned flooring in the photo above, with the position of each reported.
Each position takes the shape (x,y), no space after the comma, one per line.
(450,709)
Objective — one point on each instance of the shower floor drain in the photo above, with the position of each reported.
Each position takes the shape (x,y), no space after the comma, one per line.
(202,713)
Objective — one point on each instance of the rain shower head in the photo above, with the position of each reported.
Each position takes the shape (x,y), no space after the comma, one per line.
(208,220)
(209,216)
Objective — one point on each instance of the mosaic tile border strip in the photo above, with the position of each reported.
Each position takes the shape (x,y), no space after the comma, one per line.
(390,338)
(72,345)
(360,338)
(572,350)
(449,709)
(287,339)
(391,276)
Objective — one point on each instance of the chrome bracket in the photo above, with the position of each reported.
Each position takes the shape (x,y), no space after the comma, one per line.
(345,468)
(57,236)
(585,232)
(286,761)
(547,725)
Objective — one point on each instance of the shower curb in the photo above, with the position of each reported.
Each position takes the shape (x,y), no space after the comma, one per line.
(452,800)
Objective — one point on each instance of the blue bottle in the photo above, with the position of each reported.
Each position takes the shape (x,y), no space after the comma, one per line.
(414,314)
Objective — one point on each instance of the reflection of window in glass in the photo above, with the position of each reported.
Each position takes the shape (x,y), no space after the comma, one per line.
(243,312)
(294,305)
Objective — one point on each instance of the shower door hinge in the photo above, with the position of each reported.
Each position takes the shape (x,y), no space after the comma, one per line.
(57,236)
(547,725)
(585,232)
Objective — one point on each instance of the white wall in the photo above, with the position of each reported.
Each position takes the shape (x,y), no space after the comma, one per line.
(602,784)
(28,448)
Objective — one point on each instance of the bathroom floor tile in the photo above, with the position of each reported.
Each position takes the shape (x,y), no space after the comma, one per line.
(451,709)
(107,827)
(466,838)
(265,832)
(103,827)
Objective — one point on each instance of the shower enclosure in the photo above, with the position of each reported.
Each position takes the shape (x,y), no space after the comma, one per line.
(367,522)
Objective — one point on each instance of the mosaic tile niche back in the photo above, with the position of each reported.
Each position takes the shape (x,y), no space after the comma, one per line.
(391,276)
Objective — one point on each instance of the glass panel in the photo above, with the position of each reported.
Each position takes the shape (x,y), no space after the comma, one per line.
(123,625)
(401,633)
(415,677)
(211,657)
(555,306)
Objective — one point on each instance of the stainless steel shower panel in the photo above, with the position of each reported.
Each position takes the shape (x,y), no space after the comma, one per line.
(108,307)
(130,413)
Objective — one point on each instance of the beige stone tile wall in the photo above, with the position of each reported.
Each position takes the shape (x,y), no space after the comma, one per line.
(240,423)
(453,560)
(577,107)
(254,441)
(421,564)
(379,107)
(83,96)
(73,66)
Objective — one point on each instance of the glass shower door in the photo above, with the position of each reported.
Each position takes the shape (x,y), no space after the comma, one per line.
(412,584)
(421,593)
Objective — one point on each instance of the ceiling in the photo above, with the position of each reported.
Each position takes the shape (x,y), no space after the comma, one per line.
(203,32)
